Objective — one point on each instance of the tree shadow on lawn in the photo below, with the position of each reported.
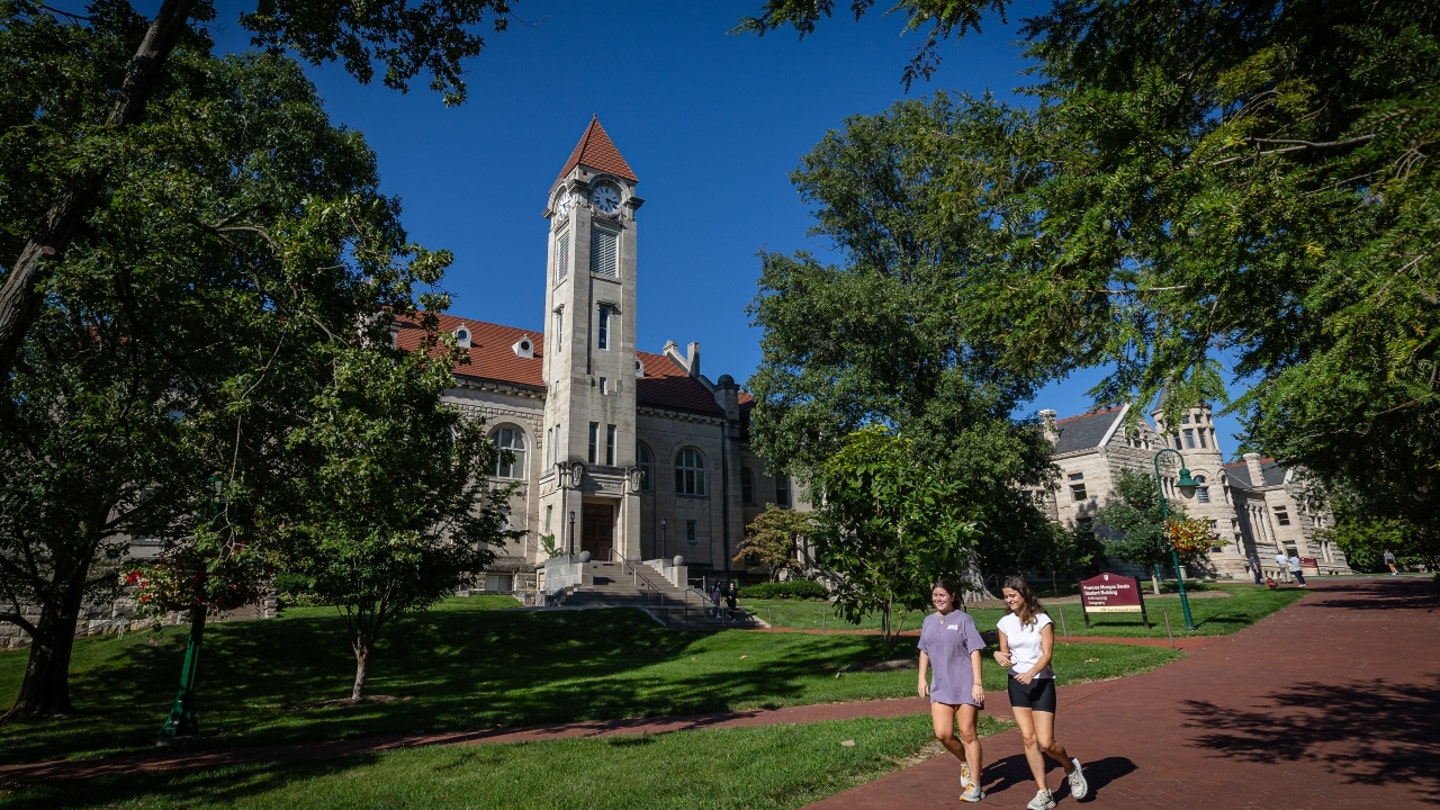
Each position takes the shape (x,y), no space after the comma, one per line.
(277,681)
(1369,732)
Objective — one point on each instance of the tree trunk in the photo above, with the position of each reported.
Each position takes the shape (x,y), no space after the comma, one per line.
(19,303)
(362,661)
(45,689)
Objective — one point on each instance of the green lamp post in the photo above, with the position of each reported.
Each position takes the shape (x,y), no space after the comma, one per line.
(1187,486)
(182,721)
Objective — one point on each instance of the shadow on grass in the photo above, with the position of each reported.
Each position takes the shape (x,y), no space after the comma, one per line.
(275,681)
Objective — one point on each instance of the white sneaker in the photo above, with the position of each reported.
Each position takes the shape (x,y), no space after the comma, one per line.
(1042,801)
(973,793)
(964,775)
(1078,786)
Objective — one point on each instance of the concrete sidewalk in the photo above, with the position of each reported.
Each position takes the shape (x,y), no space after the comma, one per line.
(1332,702)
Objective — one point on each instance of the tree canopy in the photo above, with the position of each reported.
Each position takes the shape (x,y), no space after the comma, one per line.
(1250,180)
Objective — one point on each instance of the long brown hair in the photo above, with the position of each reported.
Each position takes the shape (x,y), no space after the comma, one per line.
(1030,607)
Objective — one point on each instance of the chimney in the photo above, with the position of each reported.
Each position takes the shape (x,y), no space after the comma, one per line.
(1257,476)
(692,358)
(1047,424)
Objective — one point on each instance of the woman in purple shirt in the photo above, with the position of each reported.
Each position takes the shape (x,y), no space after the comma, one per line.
(951,645)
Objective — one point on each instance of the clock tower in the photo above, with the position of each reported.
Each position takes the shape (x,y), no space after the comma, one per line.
(589,490)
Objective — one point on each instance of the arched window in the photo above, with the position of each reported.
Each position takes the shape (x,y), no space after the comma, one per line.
(1202,492)
(747,485)
(689,472)
(646,464)
(513,466)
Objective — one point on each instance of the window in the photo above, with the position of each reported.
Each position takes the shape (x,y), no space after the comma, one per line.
(549,447)
(647,467)
(611,433)
(604,386)
(604,252)
(1077,486)
(562,256)
(559,328)
(594,441)
(1202,432)
(1189,439)
(689,472)
(1202,492)
(603,340)
(747,485)
(782,491)
(1282,516)
(691,536)
(511,439)
(499,583)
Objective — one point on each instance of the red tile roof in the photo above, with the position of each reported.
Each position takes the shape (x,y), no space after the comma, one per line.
(598,152)
(492,354)
(666,384)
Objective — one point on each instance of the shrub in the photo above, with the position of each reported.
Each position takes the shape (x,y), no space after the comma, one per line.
(790,589)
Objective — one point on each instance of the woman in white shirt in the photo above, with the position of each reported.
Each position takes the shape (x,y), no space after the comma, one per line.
(1027,640)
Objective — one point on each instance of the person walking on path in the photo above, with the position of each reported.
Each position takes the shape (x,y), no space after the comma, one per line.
(1027,641)
(715,600)
(1390,561)
(732,596)
(1296,569)
(1253,563)
(1282,562)
(950,644)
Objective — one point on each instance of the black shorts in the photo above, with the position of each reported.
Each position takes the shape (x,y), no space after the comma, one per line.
(1038,696)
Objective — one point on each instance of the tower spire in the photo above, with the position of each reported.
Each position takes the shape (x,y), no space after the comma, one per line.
(596,151)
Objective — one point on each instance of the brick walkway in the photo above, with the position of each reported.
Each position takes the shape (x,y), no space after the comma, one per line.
(1333,702)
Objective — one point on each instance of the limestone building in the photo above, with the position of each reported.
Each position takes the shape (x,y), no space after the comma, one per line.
(618,452)
(1254,507)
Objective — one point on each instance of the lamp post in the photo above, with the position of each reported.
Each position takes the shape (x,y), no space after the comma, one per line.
(182,721)
(1187,486)
(572,531)
(663,548)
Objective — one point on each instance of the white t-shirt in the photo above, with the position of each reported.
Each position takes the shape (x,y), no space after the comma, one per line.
(1025,643)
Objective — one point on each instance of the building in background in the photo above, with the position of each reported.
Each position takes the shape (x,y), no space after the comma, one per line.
(1253,507)
(618,452)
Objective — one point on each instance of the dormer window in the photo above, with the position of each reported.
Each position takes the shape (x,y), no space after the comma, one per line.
(462,337)
(639,368)
(524,347)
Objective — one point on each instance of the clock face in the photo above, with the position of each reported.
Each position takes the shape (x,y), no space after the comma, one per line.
(562,205)
(606,198)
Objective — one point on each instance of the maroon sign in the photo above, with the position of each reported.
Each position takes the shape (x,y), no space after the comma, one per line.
(1310,562)
(1110,593)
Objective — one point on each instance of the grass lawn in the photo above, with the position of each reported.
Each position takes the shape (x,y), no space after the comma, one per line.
(462,667)
(1217,610)
(784,766)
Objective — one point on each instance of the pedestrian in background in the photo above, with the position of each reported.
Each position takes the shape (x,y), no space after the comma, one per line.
(1027,642)
(1295,569)
(1390,561)
(1282,562)
(1254,565)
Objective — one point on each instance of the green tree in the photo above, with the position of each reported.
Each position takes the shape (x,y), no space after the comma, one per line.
(891,527)
(390,508)
(1133,525)
(1249,178)
(235,232)
(773,538)
(431,37)
(910,197)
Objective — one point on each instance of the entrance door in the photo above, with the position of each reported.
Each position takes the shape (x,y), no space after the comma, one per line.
(597,535)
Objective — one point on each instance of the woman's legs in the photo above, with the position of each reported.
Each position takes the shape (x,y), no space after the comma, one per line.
(1037,731)
(966,747)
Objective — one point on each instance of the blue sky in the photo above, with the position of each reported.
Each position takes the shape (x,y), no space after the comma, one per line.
(711,123)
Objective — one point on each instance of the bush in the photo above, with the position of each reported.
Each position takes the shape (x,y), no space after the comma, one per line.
(790,589)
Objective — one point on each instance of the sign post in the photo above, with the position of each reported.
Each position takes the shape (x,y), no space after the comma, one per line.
(1112,593)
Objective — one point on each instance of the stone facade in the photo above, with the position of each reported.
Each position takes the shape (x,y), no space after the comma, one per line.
(1253,507)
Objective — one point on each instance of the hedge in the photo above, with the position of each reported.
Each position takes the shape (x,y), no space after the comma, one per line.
(790,589)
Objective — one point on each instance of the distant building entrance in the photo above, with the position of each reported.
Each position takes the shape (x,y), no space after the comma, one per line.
(598,533)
